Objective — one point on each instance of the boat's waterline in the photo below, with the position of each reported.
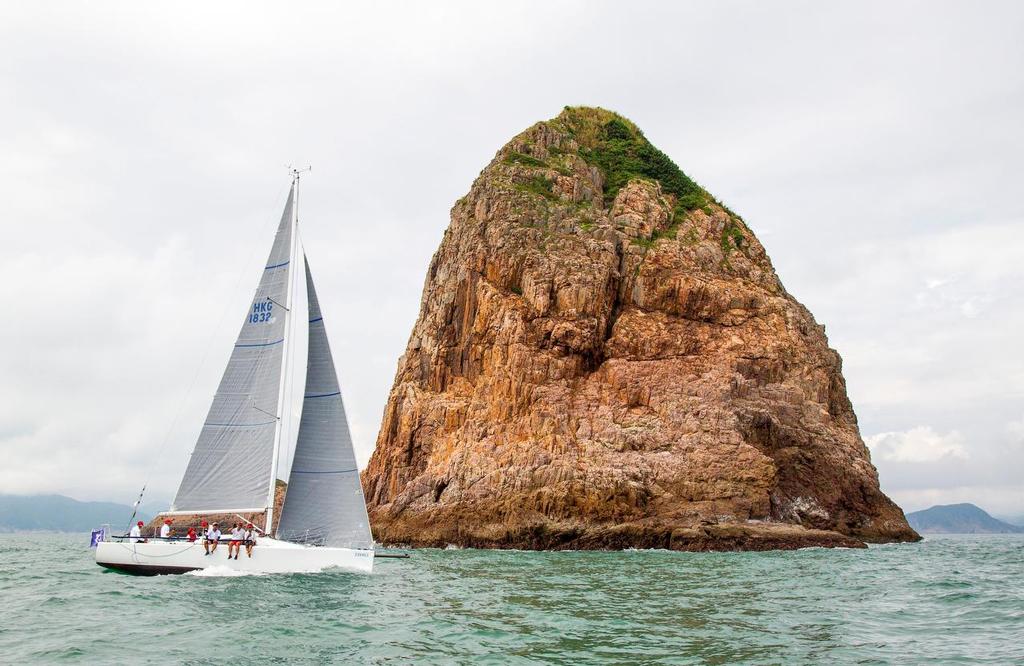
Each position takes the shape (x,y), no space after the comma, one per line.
(269,556)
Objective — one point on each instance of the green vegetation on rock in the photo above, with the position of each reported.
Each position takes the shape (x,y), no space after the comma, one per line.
(614,145)
(537,185)
(732,235)
(528,160)
(670,232)
(622,153)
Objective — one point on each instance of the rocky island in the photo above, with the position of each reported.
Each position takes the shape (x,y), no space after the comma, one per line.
(605,358)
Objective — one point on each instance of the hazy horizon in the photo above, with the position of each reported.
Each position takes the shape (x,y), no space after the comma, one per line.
(874,150)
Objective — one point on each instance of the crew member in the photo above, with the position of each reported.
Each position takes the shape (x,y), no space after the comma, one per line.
(235,545)
(165,529)
(250,539)
(136,533)
(211,539)
(191,534)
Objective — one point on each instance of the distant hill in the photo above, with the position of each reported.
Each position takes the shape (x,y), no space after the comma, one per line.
(1013,520)
(958,519)
(60,514)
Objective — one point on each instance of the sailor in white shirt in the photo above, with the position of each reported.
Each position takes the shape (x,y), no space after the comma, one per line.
(212,539)
(165,530)
(135,535)
(235,545)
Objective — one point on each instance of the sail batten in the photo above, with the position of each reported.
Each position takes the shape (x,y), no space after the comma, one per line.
(232,461)
(324,503)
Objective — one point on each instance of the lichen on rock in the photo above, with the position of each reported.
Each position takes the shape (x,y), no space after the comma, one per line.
(604,358)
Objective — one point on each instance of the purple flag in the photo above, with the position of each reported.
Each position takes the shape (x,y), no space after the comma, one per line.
(96,537)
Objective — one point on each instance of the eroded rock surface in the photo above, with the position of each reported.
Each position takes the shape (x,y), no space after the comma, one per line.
(605,358)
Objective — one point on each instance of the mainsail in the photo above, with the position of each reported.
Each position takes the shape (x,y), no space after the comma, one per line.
(324,504)
(232,463)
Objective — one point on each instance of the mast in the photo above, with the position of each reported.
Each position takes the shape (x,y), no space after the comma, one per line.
(279,428)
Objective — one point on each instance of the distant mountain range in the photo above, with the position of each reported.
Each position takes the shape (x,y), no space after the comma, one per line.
(959,519)
(1018,521)
(61,514)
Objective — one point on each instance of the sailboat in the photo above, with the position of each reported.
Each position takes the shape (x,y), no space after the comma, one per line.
(232,473)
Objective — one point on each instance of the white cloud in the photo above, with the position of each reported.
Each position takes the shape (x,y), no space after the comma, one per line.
(920,444)
(1016,430)
(995,499)
(920,467)
(143,148)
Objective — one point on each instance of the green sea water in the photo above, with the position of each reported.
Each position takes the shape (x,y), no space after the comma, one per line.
(948,600)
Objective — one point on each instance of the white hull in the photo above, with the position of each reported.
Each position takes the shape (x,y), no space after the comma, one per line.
(269,556)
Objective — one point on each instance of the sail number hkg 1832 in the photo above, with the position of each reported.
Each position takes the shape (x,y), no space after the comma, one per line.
(262,312)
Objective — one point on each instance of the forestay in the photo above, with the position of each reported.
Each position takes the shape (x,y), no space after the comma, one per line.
(324,504)
(231,464)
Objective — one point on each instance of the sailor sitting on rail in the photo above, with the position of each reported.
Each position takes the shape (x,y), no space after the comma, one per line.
(237,535)
(165,529)
(250,539)
(211,539)
(135,535)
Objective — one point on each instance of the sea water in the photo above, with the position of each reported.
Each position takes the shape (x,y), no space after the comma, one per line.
(950,600)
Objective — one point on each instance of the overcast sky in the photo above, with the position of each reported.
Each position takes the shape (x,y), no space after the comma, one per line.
(875,149)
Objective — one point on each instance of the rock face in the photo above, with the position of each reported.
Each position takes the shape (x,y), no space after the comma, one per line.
(180,524)
(605,358)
